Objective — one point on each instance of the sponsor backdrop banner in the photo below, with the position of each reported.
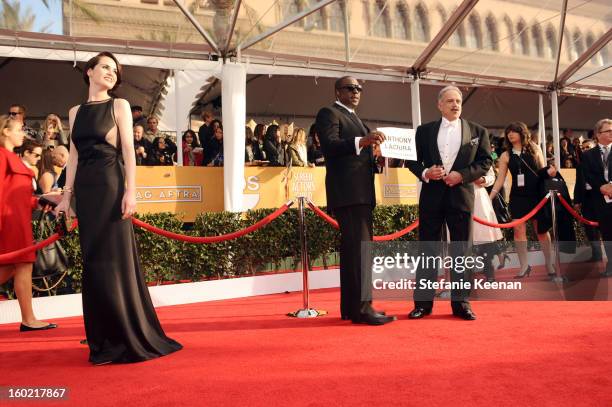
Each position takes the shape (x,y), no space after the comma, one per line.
(191,190)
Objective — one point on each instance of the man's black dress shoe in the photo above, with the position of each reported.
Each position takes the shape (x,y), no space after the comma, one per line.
(377,313)
(373,319)
(466,314)
(25,328)
(419,313)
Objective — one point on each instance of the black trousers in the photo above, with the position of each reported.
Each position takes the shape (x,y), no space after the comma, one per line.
(605,227)
(355,285)
(431,232)
(592,232)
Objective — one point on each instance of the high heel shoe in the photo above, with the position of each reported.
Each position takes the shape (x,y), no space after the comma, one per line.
(524,273)
(502,262)
(550,273)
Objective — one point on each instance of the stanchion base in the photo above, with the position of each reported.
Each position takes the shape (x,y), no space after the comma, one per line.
(559,279)
(307,313)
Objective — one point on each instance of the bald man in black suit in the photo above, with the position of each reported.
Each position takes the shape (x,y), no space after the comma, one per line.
(349,183)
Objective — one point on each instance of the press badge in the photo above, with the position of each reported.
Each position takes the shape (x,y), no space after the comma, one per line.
(520,180)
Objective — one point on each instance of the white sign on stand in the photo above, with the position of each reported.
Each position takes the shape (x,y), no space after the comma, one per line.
(399,143)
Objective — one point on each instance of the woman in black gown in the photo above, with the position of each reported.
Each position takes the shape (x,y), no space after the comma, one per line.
(527,167)
(120,321)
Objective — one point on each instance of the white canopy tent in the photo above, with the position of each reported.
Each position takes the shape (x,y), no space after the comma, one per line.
(264,46)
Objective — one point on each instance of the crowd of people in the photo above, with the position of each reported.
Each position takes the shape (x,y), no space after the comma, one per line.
(273,144)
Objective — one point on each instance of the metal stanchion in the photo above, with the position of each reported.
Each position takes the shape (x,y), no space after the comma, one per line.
(306,311)
(558,278)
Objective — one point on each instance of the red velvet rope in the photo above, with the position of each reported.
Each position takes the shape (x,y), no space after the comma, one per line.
(383,238)
(323,215)
(213,239)
(516,221)
(412,226)
(7,257)
(397,234)
(576,214)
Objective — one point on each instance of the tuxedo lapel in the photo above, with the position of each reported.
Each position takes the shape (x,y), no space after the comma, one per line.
(434,151)
(464,149)
(466,133)
(353,117)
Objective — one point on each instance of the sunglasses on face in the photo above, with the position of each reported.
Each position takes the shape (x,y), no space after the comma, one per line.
(352,88)
(13,113)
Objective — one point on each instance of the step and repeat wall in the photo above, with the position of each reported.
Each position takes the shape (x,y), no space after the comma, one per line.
(188,191)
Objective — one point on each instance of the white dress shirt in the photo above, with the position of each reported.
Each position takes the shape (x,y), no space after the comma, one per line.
(352,111)
(449,142)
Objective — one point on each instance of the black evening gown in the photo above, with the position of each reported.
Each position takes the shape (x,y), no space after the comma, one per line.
(120,321)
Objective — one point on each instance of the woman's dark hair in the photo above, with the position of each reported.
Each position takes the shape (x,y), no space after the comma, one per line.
(217,121)
(30,145)
(312,131)
(525,137)
(259,131)
(91,64)
(271,133)
(46,163)
(194,142)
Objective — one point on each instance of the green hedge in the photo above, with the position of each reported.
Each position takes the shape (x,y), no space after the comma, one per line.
(273,247)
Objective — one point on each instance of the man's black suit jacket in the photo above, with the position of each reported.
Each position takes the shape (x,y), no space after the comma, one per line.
(349,178)
(582,195)
(593,171)
(472,162)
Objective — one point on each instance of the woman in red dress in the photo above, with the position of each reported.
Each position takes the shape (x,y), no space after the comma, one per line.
(16,204)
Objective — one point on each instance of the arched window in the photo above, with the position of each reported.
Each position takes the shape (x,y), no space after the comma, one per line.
(401,22)
(491,37)
(315,21)
(522,38)
(578,41)
(454,40)
(421,26)
(572,54)
(382,24)
(335,16)
(595,59)
(473,37)
(291,8)
(550,50)
(510,34)
(538,41)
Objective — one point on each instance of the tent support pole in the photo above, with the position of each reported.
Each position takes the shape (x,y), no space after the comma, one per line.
(555,128)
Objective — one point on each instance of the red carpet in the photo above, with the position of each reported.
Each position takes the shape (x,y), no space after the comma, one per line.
(246,352)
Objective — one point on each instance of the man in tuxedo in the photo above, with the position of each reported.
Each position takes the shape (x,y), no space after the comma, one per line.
(452,153)
(583,202)
(597,170)
(347,144)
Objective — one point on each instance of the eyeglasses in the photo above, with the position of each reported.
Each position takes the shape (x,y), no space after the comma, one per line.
(352,88)
(14,113)
(606,131)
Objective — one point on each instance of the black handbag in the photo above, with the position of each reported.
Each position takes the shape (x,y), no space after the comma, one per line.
(501,209)
(51,259)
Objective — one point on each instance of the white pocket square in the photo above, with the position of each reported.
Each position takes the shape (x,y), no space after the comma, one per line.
(474,141)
